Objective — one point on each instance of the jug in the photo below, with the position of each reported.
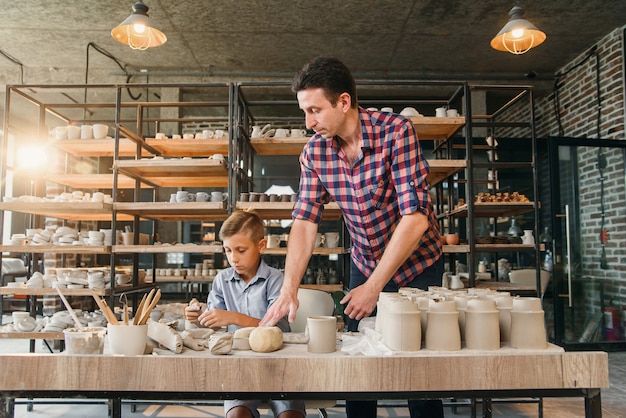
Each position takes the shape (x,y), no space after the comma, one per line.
(258,131)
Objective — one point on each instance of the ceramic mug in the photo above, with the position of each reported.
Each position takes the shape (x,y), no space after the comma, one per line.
(100,131)
(281,133)
(181,196)
(86,132)
(60,132)
(219,134)
(273,241)
(440,112)
(452,113)
(207,134)
(298,133)
(331,239)
(73,132)
(202,197)
(218,196)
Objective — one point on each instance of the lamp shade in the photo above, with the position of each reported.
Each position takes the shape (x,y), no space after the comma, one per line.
(518,35)
(137,31)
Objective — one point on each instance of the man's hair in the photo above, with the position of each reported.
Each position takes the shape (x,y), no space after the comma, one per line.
(329,74)
(247,223)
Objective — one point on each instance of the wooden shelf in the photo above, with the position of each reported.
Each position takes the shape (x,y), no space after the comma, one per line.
(79,211)
(282,210)
(316,251)
(463,248)
(278,146)
(438,129)
(189,147)
(503,248)
(442,169)
(427,128)
(168,248)
(57,249)
(52,292)
(177,172)
(97,147)
(485,210)
(93,181)
(166,211)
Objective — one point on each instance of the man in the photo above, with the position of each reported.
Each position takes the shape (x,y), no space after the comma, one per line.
(372,165)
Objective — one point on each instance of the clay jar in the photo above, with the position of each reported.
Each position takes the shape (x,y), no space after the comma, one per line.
(452,239)
(528,328)
(381,309)
(504,304)
(402,330)
(482,325)
(443,332)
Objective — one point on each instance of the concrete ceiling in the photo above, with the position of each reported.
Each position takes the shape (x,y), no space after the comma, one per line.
(271,39)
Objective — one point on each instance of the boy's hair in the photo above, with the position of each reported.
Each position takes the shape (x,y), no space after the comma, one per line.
(329,74)
(247,223)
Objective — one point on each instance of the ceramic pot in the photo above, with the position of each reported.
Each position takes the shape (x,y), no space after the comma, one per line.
(443,332)
(452,239)
(482,325)
(322,334)
(402,330)
(528,330)
(528,237)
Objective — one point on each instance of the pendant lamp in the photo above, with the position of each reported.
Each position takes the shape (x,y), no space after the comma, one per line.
(518,35)
(137,31)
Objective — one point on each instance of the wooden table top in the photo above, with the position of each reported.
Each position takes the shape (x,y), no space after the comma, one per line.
(292,369)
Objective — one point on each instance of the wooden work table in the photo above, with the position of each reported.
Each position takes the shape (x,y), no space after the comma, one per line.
(293,373)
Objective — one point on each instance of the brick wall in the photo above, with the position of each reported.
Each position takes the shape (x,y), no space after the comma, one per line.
(578,111)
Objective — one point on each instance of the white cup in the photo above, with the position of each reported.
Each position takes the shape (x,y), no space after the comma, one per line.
(202,197)
(176,136)
(127,340)
(452,113)
(273,241)
(298,133)
(218,196)
(322,334)
(207,134)
(86,132)
(440,112)
(73,132)
(100,131)
(188,136)
(281,133)
(97,197)
(219,134)
(182,196)
(60,132)
(160,135)
(331,239)
(198,135)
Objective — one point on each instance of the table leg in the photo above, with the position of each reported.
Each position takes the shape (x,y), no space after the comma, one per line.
(115,408)
(593,404)
(487,408)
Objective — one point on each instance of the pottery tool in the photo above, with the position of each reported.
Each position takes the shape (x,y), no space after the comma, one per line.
(106,311)
(139,311)
(69,308)
(151,305)
(124,302)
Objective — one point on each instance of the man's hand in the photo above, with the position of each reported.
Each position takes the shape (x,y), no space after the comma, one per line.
(361,301)
(285,304)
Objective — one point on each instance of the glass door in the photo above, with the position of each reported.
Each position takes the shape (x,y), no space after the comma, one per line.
(588,211)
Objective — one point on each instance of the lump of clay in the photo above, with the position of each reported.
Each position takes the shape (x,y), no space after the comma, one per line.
(266,339)
(221,343)
(241,338)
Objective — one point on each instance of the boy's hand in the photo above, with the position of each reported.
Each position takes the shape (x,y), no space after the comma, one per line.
(192,312)
(216,318)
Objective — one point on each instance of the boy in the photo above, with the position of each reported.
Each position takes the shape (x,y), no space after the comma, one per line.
(240,297)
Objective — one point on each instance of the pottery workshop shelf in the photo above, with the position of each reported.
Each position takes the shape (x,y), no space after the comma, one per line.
(32,335)
(52,292)
(79,211)
(93,181)
(189,147)
(316,251)
(278,146)
(500,209)
(166,211)
(176,172)
(442,169)
(167,248)
(282,210)
(97,147)
(57,249)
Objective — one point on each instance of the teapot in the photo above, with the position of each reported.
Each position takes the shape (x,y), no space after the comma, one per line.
(258,131)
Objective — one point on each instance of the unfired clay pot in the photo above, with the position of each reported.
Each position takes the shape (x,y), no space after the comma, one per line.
(403,331)
(482,326)
(443,332)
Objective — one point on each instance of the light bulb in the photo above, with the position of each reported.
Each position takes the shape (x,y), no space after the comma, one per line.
(517,33)
(139,28)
